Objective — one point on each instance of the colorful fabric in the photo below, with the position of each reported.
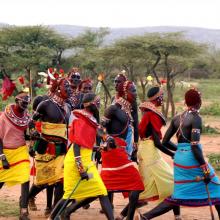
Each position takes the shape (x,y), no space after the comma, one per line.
(152,118)
(19,170)
(91,188)
(8,87)
(129,140)
(21,122)
(6,130)
(189,188)
(51,131)
(83,129)
(156,174)
(49,169)
(118,172)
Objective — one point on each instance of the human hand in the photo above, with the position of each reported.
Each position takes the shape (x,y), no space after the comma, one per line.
(35,135)
(110,142)
(84,175)
(31,152)
(134,156)
(5,163)
(207,179)
(98,157)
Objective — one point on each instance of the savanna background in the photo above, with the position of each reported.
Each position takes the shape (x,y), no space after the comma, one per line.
(172,58)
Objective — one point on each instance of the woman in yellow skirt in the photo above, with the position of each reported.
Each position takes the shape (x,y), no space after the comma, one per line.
(82,182)
(14,157)
(156,174)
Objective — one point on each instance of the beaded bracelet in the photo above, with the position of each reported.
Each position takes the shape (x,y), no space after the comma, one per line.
(2,156)
(205,169)
(79,164)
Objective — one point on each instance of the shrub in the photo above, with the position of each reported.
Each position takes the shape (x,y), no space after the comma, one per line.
(213,109)
(207,129)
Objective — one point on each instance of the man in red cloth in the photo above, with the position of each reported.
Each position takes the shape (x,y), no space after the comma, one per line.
(118,172)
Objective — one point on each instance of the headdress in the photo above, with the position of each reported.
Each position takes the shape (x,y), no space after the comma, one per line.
(89,81)
(91,98)
(21,95)
(125,88)
(154,93)
(74,71)
(122,76)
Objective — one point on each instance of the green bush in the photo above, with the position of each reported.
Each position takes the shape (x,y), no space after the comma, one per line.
(214,160)
(213,109)
(206,129)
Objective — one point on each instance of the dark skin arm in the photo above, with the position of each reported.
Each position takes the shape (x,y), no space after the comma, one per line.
(195,139)
(82,172)
(169,133)
(5,163)
(160,146)
(191,128)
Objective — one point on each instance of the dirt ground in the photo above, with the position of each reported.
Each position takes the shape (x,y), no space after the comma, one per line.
(211,143)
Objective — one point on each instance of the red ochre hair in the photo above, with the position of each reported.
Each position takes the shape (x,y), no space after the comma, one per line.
(192,97)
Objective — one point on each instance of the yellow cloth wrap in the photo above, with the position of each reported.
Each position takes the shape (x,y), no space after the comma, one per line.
(49,169)
(156,174)
(19,171)
(91,188)
(53,129)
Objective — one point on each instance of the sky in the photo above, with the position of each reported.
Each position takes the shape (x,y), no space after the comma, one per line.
(112,13)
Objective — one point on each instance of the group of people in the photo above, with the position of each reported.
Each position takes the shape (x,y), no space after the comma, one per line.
(67,135)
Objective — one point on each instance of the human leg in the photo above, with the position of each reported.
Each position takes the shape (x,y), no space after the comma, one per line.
(106,207)
(133,200)
(24,201)
(58,193)
(218,210)
(124,211)
(161,209)
(76,205)
(34,190)
(110,197)
(60,204)
(49,192)
(1,184)
(176,212)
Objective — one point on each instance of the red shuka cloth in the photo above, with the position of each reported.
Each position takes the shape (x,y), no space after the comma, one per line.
(154,119)
(83,131)
(123,179)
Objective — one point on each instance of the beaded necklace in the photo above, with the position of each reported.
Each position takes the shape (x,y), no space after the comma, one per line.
(58,100)
(125,106)
(19,121)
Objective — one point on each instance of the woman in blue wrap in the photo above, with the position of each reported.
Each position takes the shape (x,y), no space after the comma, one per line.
(194,178)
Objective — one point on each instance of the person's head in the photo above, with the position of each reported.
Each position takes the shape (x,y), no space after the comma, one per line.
(118,81)
(193,99)
(155,95)
(22,101)
(74,77)
(64,89)
(85,86)
(129,91)
(91,102)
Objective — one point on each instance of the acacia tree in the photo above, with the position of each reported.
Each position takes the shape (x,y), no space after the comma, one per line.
(134,55)
(30,48)
(163,55)
(177,56)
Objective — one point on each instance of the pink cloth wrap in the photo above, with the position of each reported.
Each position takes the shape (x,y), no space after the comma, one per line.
(11,135)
